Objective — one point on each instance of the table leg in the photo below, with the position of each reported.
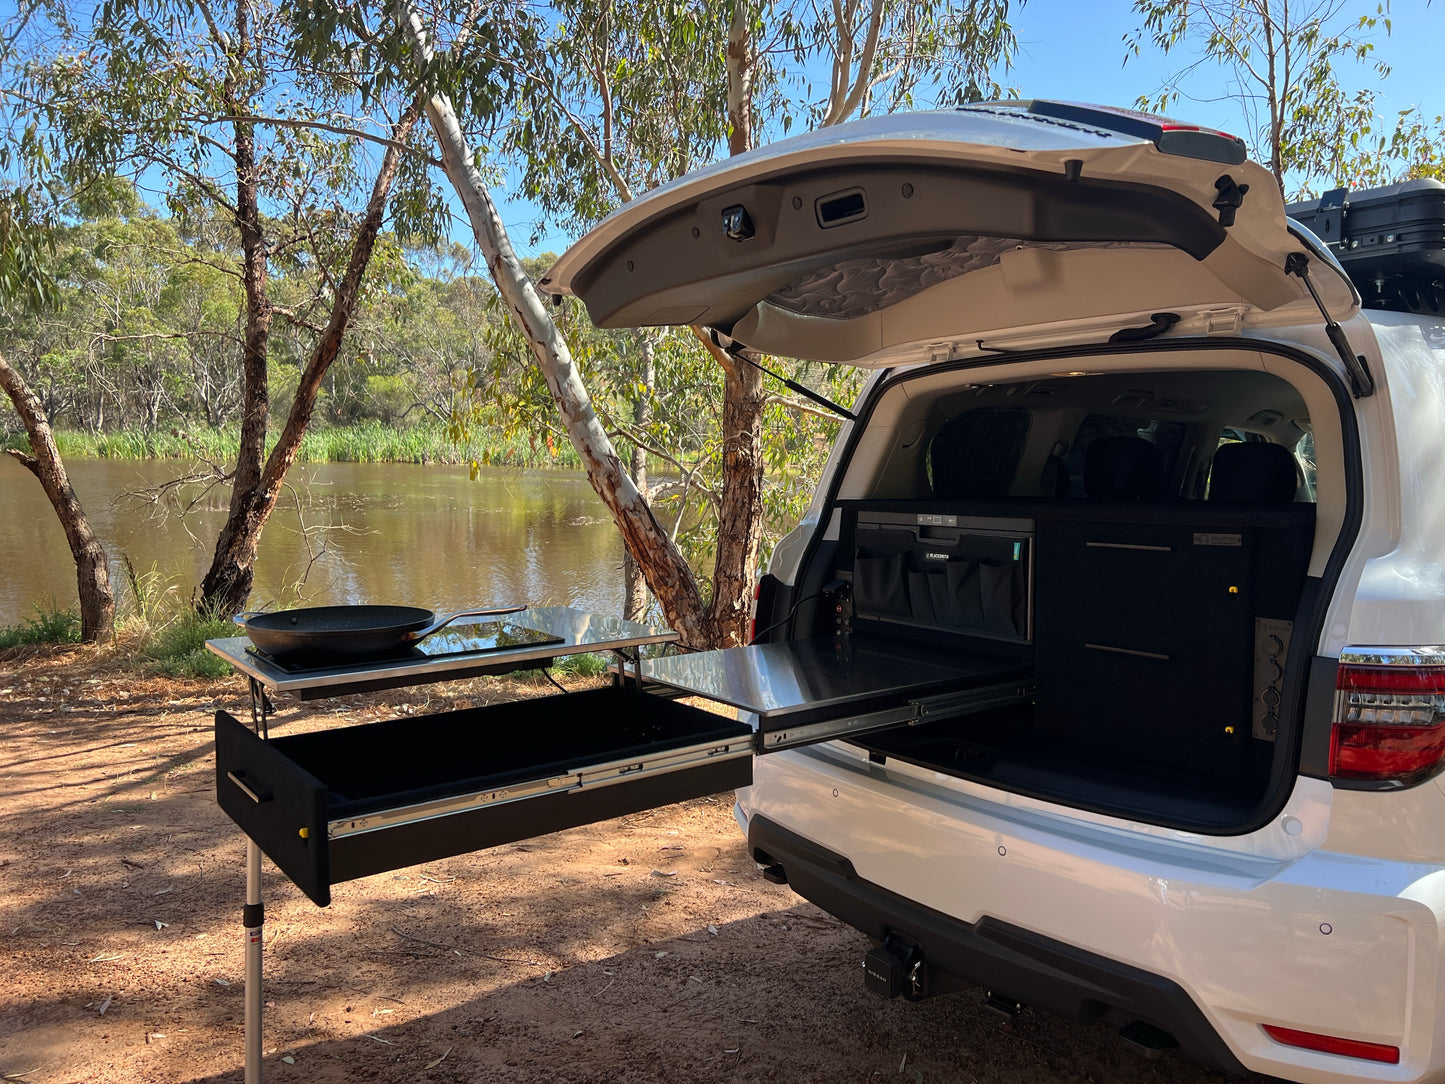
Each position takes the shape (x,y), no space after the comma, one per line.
(252,918)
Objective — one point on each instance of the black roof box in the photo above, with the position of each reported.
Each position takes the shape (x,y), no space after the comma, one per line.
(1390,240)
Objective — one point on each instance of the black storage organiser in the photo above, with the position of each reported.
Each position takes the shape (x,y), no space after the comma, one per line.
(1390,240)
(334,805)
(939,571)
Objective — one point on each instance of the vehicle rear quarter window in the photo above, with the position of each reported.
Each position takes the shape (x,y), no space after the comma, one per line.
(976,454)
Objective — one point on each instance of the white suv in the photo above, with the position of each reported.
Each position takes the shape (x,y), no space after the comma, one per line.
(1136,547)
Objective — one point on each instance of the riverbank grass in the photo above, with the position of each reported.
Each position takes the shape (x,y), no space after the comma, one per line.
(178,649)
(50,625)
(365,442)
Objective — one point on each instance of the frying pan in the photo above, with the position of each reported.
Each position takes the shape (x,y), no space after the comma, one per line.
(349,633)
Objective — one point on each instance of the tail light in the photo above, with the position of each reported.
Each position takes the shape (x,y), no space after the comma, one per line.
(1389,716)
(1331,1044)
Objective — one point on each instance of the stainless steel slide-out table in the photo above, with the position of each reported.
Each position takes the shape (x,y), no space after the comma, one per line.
(346,802)
(802,692)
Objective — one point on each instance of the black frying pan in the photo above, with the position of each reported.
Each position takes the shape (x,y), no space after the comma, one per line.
(351,633)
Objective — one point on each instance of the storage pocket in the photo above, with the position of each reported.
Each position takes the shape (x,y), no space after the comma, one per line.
(879,586)
(963,604)
(996,593)
(921,592)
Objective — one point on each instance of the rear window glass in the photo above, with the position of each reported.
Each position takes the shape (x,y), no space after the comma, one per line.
(976,454)
(1168,437)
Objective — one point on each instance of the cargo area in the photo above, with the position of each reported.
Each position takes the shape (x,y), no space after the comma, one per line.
(1145,546)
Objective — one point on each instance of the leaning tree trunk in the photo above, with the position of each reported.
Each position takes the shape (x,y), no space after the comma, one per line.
(92,578)
(668,575)
(740,511)
(233,568)
(227,584)
(634,583)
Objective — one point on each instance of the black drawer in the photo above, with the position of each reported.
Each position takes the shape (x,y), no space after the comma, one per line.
(334,805)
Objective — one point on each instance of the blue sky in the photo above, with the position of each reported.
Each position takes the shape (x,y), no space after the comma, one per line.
(1074,49)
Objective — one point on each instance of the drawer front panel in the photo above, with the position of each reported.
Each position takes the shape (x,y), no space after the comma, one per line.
(279,804)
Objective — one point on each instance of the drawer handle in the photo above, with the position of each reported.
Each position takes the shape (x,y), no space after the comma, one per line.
(1129,546)
(247,791)
(1128,651)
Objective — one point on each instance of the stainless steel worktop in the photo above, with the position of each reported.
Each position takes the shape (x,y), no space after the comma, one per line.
(579,632)
(775,680)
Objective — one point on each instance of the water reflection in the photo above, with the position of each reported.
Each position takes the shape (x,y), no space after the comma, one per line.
(343,532)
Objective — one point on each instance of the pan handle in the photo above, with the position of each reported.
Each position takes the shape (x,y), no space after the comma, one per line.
(442,622)
(245,615)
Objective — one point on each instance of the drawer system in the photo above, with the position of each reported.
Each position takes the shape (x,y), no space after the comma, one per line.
(333,805)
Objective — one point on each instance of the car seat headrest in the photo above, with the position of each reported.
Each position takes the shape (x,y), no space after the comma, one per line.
(976,454)
(1254,472)
(1126,468)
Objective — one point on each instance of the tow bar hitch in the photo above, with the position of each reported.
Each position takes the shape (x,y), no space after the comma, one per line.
(894,968)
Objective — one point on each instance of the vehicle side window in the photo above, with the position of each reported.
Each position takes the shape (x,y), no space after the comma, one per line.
(977,453)
(1304,454)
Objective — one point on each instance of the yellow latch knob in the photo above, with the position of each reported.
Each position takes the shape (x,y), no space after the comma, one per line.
(1234,590)
(305,833)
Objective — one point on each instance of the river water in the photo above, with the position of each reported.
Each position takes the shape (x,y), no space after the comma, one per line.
(343,532)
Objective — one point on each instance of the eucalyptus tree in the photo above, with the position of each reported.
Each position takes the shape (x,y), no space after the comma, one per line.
(212,101)
(691,79)
(1285,65)
(26,228)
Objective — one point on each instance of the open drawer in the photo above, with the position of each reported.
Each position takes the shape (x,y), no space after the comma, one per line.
(334,805)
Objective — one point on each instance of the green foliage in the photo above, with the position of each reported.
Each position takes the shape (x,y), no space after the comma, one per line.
(50,625)
(178,648)
(1285,68)
(364,442)
(582,666)
(171,634)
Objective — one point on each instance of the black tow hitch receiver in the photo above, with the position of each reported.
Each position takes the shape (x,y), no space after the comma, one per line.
(894,968)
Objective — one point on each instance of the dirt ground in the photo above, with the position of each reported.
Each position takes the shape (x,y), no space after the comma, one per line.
(642,949)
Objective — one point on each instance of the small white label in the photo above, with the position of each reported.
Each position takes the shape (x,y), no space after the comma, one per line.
(1201,539)
(935,556)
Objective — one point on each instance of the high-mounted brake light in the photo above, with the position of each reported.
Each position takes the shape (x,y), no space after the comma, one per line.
(1331,1044)
(1170,136)
(1389,716)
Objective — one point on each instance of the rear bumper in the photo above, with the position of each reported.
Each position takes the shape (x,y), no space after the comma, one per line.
(1011,962)
(1210,938)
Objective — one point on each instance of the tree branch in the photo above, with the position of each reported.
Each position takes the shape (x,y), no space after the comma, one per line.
(336,129)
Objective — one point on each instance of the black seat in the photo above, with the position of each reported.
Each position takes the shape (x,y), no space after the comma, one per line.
(1255,472)
(976,454)
(1123,468)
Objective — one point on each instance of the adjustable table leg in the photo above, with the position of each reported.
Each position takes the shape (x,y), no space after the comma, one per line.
(253,921)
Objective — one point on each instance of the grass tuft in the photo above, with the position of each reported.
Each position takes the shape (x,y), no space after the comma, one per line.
(48,626)
(587,665)
(178,649)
